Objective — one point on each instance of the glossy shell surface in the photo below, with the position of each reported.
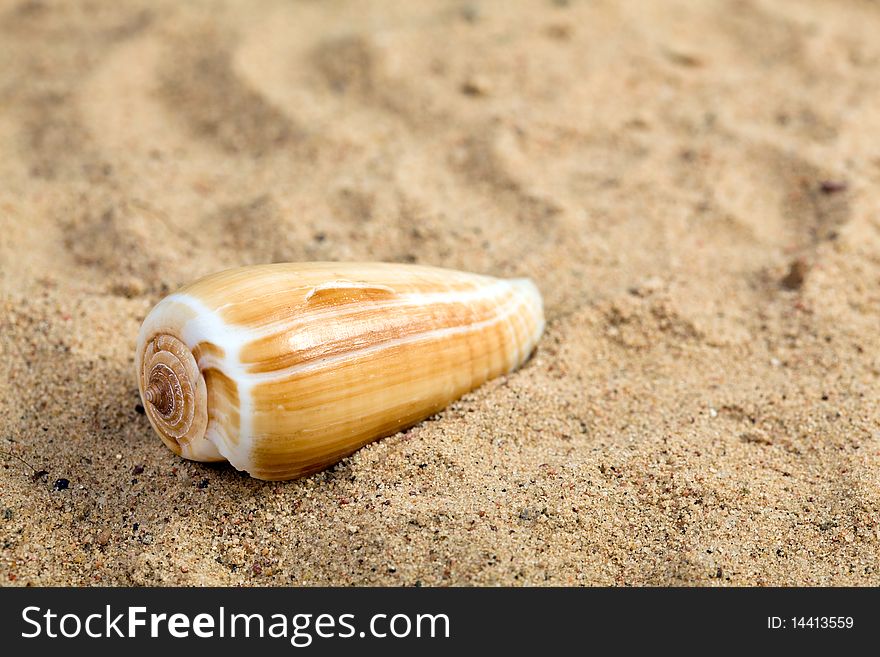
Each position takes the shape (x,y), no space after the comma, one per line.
(285,369)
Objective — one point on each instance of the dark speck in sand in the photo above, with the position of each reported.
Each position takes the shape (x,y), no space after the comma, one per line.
(797,274)
(139,409)
(203,483)
(60,484)
(832,186)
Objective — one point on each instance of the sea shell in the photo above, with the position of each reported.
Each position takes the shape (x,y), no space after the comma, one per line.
(285,369)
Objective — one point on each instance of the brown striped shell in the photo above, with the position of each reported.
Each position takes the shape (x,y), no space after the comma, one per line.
(285,369)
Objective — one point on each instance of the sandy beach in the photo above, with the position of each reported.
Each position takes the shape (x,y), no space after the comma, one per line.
(694,187)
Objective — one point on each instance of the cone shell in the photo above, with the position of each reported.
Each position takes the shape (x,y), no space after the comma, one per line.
(284,369)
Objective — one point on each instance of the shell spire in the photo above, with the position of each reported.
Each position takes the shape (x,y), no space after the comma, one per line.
(285,369)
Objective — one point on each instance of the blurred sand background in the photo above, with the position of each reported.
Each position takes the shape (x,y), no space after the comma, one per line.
(693,185)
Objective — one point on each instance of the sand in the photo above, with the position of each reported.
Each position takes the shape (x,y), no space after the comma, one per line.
(693,186)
